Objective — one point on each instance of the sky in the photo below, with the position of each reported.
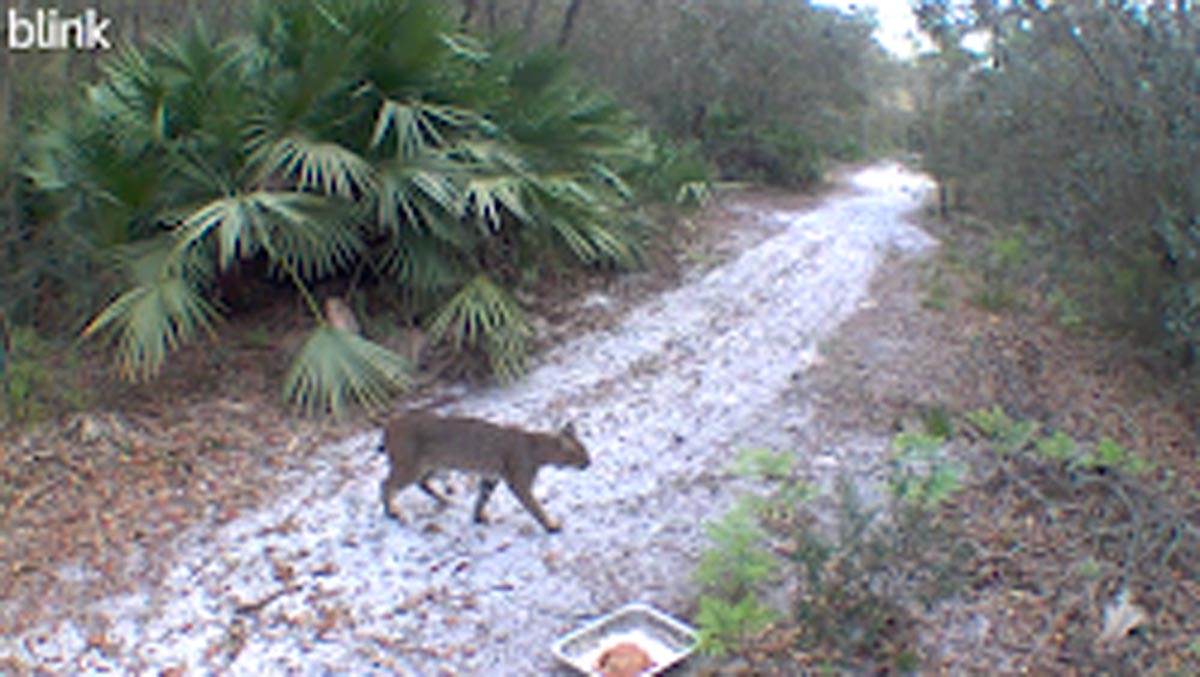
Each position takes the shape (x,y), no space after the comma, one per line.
(896,21)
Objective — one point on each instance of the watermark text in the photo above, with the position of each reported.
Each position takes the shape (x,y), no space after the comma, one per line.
(46,29)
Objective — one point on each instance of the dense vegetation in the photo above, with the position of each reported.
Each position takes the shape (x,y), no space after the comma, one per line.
(767,90)
(349,140)
(1077,132)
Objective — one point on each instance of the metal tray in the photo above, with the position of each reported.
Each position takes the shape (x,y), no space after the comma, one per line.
(666,639)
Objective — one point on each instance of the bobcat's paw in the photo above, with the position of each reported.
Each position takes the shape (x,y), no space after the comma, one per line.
(553,526)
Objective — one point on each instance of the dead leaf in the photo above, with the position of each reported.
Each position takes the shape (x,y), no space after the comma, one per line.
(326,569)
(1120,617)
(282,571)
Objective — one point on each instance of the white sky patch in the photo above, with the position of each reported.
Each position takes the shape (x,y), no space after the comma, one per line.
(897,30)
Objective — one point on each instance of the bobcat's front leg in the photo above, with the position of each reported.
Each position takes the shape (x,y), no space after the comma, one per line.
(524,494)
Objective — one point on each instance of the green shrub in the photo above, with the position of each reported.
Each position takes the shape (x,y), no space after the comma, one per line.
(37,377)
(24,375)
(731,572)
(331,138)
(775,153)
(1012,438)
(1180,295)
(920,475)
(1001,268)
(853,578)
(1093,151)
(678,173)
(803,162)
(1070,313)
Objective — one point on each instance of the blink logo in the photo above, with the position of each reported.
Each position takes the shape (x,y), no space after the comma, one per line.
(46,30)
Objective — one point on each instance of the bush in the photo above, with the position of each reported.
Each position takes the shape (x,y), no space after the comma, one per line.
(37,377)
(408,156)
(1059,129)
(678,172)
(851,580)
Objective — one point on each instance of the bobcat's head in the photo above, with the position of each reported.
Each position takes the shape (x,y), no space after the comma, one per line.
(571,450)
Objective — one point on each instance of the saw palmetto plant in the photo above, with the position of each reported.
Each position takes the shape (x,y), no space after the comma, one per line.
(337,136)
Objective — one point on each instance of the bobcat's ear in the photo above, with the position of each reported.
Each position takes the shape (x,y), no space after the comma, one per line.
(569,429)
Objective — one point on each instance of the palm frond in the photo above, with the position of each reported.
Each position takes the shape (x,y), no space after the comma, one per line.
(164,308)
(286,224)
(566,189)
(485,315)
(335,366)
(420,193)
(133,97)
(494,180)
(591,229)
(209,93)
(613,181)
(417,125)
(420,264)
(147,260)
(576,239)
(316,243)
(193,57)
(107,191)
(467,48)
(323,166)
(487,198)
(611,244)
(488,155)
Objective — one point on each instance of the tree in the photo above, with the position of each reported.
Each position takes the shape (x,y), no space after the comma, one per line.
(564,34)
(767,88)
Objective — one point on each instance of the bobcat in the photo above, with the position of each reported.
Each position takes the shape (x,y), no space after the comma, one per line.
(419,444)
